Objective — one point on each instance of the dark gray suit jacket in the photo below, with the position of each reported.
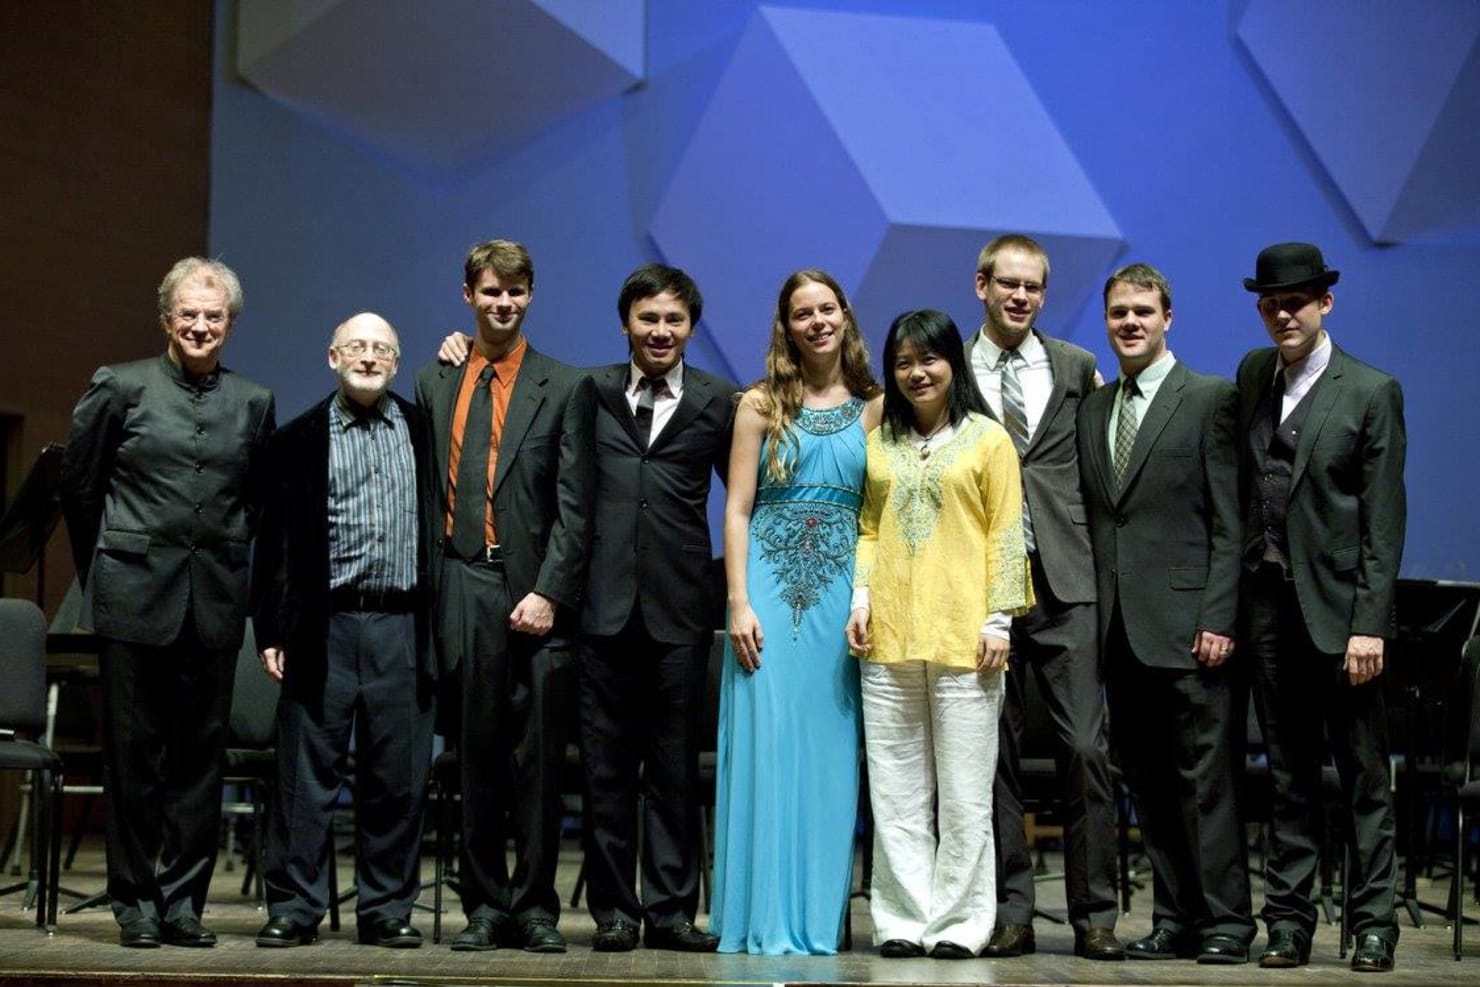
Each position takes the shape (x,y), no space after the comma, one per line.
(543,482)
(161,484)
(1051,473)
(1166,539)
(1348,506)
(651,524)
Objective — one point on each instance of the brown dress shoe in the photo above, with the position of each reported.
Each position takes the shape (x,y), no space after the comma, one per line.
(1098,944)
(1011,940)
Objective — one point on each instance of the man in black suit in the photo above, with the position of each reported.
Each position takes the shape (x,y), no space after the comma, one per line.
(513,506)
(662,431)
(1322,447)
(340,621)
(1033,384)
(1160,471)
(161,486)
(662,428)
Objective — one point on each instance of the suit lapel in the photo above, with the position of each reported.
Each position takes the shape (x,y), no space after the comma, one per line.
(1097,415)
(611,389)
(524,404)
(1060,375)
(1327,390)
(444,398)
(696,394)
(1163,406)
(971,345)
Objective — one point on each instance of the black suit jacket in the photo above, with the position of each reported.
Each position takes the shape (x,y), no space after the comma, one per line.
(1051,473)
(1348,506)
(543,482)
(650,531)
(161,484)
(1166,539)
(290,571)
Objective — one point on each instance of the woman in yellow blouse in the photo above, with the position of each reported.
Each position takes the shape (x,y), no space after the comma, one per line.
(941,570)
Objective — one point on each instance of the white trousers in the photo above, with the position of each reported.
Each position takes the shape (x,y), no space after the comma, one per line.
(932,730)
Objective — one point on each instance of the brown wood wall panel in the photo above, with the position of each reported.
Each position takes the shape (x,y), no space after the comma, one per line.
(105,122)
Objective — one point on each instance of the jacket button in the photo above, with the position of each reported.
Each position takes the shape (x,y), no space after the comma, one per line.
(200,467)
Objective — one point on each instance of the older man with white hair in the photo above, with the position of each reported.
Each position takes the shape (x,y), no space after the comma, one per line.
(341,623)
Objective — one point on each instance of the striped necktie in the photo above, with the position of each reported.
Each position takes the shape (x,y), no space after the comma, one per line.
(1015,420)
(1125,428)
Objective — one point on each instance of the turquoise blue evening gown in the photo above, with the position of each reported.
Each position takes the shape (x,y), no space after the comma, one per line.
(787,777)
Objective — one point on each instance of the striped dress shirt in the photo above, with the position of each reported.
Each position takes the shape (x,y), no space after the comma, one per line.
(372,498)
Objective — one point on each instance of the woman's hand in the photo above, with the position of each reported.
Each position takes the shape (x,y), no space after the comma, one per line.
(746,637)
(991,652)
(857,631)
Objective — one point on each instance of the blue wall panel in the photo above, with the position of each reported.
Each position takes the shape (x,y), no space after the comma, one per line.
(764,138)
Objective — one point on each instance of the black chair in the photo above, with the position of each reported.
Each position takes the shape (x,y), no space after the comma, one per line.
(1462,775)
(23,716)
(251,752)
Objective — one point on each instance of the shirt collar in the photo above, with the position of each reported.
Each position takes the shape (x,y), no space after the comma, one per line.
(505,367)
(1308,366)
(1030,349)
(200,382)
(348,413)
(674,377)
(1151,377)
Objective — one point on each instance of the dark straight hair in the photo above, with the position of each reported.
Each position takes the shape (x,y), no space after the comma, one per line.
(927,329)
(651,280)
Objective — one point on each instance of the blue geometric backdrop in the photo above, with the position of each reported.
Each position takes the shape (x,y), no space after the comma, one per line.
(360,146)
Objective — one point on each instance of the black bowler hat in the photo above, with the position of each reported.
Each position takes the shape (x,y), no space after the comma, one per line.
(1290,265)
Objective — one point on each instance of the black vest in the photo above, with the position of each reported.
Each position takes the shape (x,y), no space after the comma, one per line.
(1273,458)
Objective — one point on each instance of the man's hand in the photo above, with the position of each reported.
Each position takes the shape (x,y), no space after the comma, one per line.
(534,614)
(454,349)
(273,661)
(991,652)
(1212,649)
(1363,658)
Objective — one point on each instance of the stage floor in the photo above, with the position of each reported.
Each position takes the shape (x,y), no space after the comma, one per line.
(84,951)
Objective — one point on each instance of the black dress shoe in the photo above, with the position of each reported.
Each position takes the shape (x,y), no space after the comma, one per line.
(1222,950)
(139,934)
(900,949)
(186,932)
(1373,954)
(685,937)
(480,934)
(1162,944)
(1011,940)
(1098,944)
(393,933)
(616,936)
(1286,948)
(947,950)
(539,935)
(281,932)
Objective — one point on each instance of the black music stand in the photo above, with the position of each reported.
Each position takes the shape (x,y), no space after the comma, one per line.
(1435,619)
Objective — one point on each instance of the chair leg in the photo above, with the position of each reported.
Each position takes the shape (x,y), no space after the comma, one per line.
(1457,881)
(55,884)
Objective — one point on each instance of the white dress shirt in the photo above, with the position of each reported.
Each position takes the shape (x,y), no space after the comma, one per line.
(663,405)
(1302,375)
(1036,379)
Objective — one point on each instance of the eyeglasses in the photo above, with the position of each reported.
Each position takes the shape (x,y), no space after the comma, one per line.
(188,316)
(357,348)
(1009,285)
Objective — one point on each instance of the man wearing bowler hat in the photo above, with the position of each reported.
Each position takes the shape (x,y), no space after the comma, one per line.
(1322,448)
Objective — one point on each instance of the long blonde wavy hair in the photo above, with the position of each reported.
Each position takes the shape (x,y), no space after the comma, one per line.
(780,393)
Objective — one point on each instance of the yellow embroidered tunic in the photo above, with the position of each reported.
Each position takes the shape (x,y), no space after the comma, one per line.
(941,542)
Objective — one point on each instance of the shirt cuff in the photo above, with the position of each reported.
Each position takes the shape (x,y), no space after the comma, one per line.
(860,599)
(998,624)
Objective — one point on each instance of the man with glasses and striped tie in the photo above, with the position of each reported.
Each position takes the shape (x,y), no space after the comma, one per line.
(1033,384)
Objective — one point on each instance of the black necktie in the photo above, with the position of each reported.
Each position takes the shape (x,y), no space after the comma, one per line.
(648,388)
(1277,399)
(470,511)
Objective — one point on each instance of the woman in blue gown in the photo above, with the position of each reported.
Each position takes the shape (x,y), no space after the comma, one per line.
(787,777)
